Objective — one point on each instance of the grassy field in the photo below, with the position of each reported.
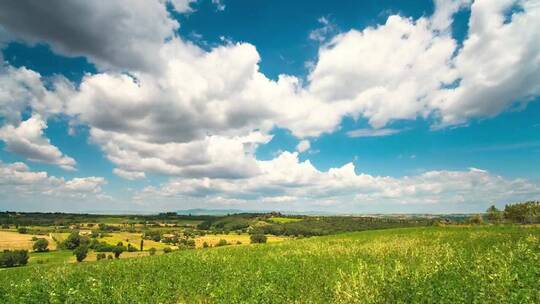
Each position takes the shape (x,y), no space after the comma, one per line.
(485,264)
(15,240)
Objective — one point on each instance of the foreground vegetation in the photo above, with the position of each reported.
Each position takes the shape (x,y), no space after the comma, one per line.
(476,264)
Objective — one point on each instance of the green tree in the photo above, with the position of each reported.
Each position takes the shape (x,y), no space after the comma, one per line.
(41,245)
(80,253)
(475,219)
(494,215)
(72,241)
(117,251)
(258,238)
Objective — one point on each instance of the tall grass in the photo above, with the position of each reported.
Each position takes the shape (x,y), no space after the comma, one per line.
(428,265)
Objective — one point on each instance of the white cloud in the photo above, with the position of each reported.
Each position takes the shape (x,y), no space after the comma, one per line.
(323,33)
(27,139)
(373,132)
(182,6)
(220,6)
(287,181)
(303,146)
(17,181)
(130,175)
(120,34)
(199,114)
(499,64)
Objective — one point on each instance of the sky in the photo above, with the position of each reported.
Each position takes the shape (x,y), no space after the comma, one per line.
(321,106)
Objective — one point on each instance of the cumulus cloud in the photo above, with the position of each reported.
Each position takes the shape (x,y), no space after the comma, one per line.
(113,34)
(27,139)
(303,146)
(373,132)
(18,181)
(287,180)
(200,114)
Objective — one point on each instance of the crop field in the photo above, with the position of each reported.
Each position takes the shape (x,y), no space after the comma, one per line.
(15,240)
(232,238)
(277,219)
(476,264)
(131,238)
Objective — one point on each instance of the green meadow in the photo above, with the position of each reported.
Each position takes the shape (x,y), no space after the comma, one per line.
(453,264)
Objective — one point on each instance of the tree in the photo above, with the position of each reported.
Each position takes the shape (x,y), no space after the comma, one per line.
(525,213)
(72,241)
(80,253)
(117,250)
(152,251)
(475,219)
(13,258)
(258,238)
(494,215)
(205,245)
(41,245)
(100,256)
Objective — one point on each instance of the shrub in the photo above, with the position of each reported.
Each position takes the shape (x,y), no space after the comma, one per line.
(41,245)
(238,243)
(109,257)
(14,258)
(475,219)
(80,253)
(100,256)
(5,226)
(167,250)
(152,251)
(131,248)
(258,238)
(205,245)
(222,242)
(22,230)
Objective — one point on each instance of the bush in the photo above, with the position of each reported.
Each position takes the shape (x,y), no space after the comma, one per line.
(80,253)
(5,226)
(167,250)
(152,251)
(14,258)
(22,230)
(109,257)
(258,238)
(100,256)
(205,245)
(475,219)
(222,242)
(41,245)
(131,248)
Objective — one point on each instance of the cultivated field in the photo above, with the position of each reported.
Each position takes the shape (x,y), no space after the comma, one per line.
(15,240)
(477,264)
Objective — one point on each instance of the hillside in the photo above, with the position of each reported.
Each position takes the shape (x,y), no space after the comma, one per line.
(435,264)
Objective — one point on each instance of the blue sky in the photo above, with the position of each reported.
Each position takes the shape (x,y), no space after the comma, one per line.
(187,104)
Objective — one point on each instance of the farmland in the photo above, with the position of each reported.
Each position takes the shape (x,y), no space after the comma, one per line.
(460,264)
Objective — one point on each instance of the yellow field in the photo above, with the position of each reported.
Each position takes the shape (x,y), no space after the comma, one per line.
(283,220)
(232,238)
(132,238)
(15,240)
